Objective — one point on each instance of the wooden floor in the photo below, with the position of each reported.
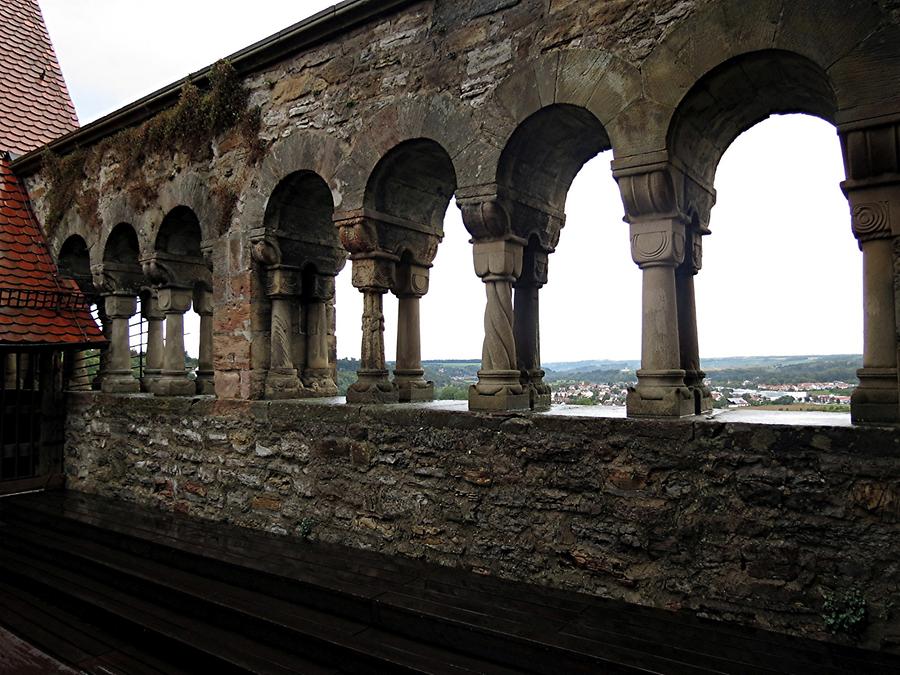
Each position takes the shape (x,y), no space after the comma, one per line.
(108,587)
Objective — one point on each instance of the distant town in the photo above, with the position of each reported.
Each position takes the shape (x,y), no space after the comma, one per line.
(811,382)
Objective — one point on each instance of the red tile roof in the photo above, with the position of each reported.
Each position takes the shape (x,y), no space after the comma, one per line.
(35,107)
(37,306)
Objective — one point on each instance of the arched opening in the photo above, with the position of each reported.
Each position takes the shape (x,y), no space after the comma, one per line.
(74,263)
(780,275)
(536,173)
(405,204)
(179,358)
(300,259)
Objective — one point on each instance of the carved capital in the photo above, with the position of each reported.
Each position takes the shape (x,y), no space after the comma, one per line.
(120,306)
(657,243)
(150,308)
(375,272)
(173,300)
(321,288)
(534,269)
(359,234)
(871,151)
(203,301)
(265,251)
(871,220)
(498,260)
(411,281)
(281,281)
(486,218)
(110,277)
(655,193)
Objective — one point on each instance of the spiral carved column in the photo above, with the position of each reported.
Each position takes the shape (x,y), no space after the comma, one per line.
(499,264)
(317,376)
(374,276)
(281,378)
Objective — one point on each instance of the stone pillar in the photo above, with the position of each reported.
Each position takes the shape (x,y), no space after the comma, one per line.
(872,163)
(317,374)
(499,264)
(658,248)
(117,377)
(153,359)
(687,321)
(281,379)
(174,381)
(876,399)
(203,305)
(374,276)
(103,360)
(412,284)
(527,326)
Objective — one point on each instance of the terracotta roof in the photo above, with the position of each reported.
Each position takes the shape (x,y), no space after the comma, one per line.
(35,107)
(37,306)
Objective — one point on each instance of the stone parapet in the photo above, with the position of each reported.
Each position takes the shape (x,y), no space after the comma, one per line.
(741,522)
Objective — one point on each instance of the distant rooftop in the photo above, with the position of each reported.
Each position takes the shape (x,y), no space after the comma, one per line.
(35,106)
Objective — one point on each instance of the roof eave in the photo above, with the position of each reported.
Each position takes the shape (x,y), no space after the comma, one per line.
(302,35)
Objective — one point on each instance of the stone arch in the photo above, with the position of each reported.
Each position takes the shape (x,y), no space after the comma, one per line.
(191,191)
(300,209)
(441,119)
(740,93)
(414,182)
(306,151)
(594,81)
(74,262)
(839,37)
(119,270)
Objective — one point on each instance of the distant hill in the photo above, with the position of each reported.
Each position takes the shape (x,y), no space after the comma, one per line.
(454,375)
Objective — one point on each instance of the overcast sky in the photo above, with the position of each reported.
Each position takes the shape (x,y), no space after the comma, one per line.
(782,272)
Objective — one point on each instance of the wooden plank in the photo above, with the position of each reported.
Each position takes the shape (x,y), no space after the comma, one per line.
(17,656)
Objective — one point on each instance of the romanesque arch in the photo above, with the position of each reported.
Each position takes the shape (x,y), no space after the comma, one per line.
(299,255)
(393,240)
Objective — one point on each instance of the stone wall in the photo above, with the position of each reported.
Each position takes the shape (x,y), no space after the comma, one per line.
(741,522)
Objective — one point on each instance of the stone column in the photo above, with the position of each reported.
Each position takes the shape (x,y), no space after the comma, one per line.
(687,321)
(872,163)
(103,360)
(499,264)
(153,359)
(174,381)
(281,379)
(876,398)
(658,248)
(374,276)
(412,284)
(203,305)
(317,374)
(527,326)
(117,377)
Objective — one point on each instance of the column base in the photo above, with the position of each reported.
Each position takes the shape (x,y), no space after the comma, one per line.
(412,386)
(538,392)
(173,385)
(499,390)
(318,383)
(149,380)
(373,387)
(875,400)
(113,383)
(206,384)
(660,393)
(282,384)
(703,400)
(410,392)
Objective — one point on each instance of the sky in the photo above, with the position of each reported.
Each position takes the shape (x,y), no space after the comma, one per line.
(781,271)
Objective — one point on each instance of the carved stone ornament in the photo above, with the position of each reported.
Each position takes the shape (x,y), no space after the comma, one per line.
(359,234)
(498,260)
(281,281)
(375,272)
(871,220)
(651,193)
(265,251)
(485,218)
(657,243)
(412,281)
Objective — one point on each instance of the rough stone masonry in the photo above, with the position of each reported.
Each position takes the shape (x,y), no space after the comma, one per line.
(748,523)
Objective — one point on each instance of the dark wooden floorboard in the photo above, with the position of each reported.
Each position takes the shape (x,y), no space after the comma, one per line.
(198,583)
